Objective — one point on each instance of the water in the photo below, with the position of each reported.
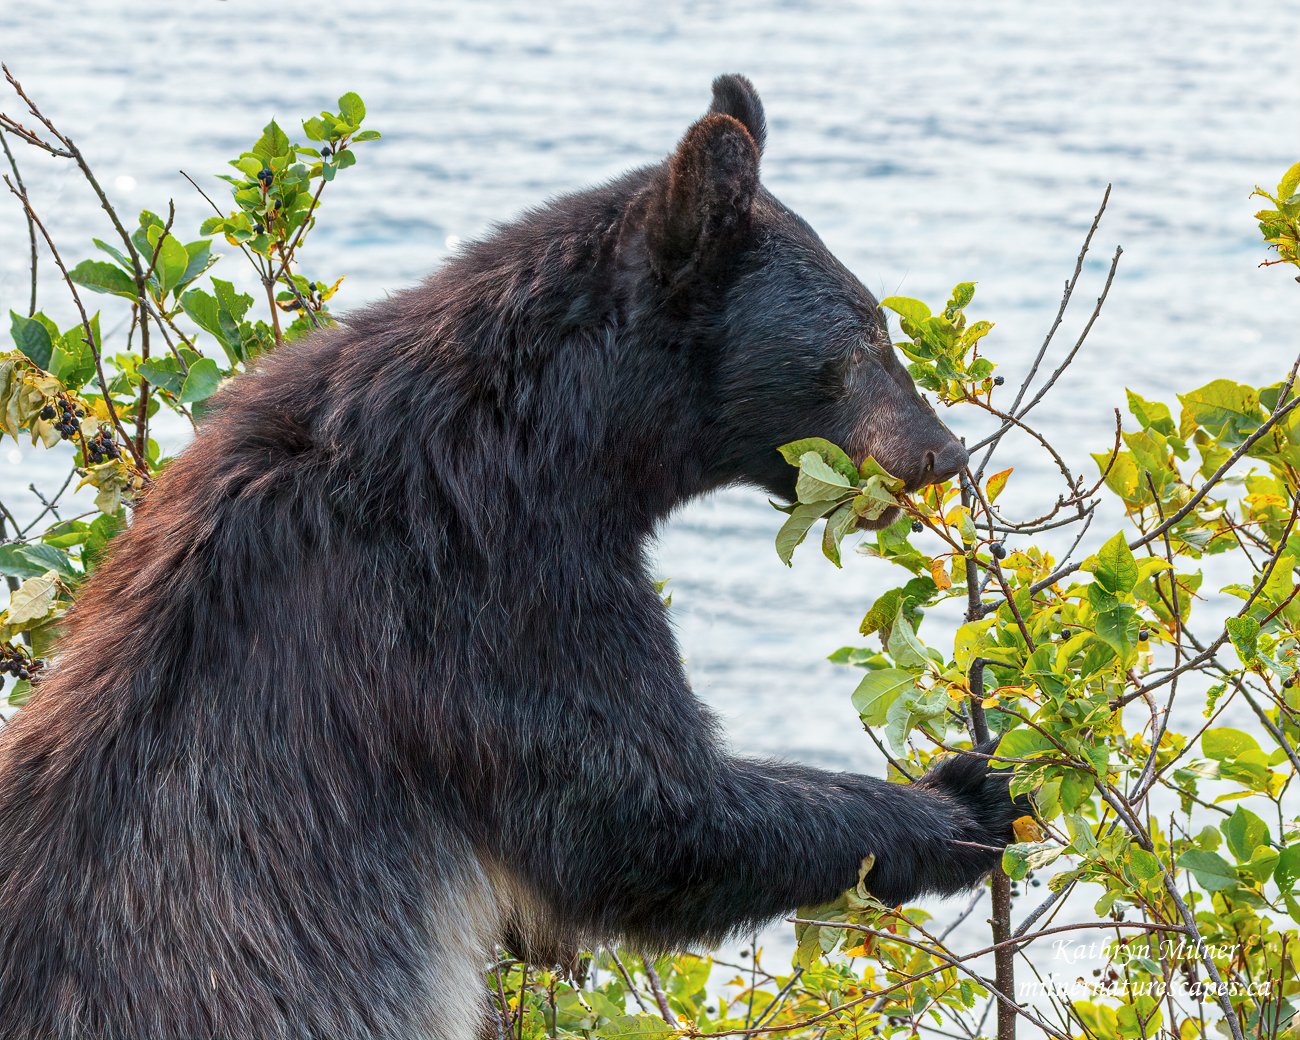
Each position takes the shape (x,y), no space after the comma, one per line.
(929,143)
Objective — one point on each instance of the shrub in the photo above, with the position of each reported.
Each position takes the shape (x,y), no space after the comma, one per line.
(1083,663)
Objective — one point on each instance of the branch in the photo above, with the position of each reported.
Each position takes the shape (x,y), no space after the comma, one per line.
(31,226)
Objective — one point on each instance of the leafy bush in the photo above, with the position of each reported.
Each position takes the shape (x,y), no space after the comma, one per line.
(189,330)
(1081,664)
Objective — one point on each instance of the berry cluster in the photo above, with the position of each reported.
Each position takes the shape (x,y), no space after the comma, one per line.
(15,661)
(101,447)
(68,414)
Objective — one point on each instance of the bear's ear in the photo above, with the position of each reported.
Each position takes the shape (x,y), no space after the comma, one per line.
(700,204)
(735,96)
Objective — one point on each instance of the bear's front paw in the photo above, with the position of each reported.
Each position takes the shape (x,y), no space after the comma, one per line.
(971,782)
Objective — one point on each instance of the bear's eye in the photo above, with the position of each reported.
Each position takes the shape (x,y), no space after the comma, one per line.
(834,373)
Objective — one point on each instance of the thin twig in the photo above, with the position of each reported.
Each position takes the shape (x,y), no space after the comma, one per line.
(31,225)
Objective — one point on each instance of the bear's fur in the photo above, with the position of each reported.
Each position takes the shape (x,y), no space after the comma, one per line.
(377,677)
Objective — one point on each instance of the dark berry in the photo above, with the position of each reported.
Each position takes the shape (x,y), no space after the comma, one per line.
(1065,634)
(265,174)
(327,151)
(1289,681)
(998,380)
(917,527)
(81,413)
(277,204)
(23,673)
(48,412)
(1143,635)
(311,286)
(998,550)
(258,228)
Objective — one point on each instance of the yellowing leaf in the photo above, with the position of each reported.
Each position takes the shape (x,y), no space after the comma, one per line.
(996,483)
(939,574)
(34,599)
(1026,828)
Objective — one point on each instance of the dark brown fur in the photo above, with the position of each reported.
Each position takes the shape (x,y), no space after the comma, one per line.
(377,676)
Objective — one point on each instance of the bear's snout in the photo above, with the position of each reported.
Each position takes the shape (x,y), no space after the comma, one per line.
(946,462)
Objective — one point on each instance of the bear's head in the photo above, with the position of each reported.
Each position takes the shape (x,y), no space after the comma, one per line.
(795,345)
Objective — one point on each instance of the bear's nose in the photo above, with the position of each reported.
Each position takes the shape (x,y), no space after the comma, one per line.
(946,462)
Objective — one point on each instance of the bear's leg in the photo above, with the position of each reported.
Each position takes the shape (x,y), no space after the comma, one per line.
(686,849)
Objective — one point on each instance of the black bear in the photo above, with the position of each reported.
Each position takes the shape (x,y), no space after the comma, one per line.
(377,678)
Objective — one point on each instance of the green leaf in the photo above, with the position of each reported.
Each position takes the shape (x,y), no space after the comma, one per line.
(1116,568)
(1244,633)
(903,646)
(34,559)
(797,526)
(838,524)
(636,1027)
(1021,857)
(1212,871)
(1082,839)
(203,311)
(352,108)
(831,454)
(200,259)
(172,258)
(366,135)
(1262,863)
(817,481)
(1228,411)
(1227,745)
(1287,870)
(1119,629)
(909,711)
(1022,743)
(871,469)
(1151,415)
(102,277)
(1245,833)
(1144,865)
(202,381)
(116,254)
(73,359)
(882,612)
(905,307)
(1287,185)
(878,690)
(273,142)
(962,294)
(164,372)
(32,336)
